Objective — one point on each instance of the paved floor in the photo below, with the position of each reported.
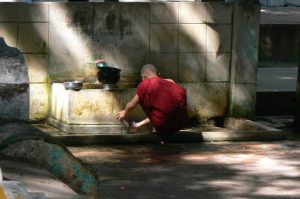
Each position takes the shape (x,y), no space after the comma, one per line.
(206,170)
(187,171)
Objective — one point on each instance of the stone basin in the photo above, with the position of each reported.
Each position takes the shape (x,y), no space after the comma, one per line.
(90,110)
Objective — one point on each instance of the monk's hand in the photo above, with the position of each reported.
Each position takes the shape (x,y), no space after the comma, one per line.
(121,115)
(137,125)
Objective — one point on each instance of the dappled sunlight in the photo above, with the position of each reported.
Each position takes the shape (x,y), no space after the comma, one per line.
(269,166)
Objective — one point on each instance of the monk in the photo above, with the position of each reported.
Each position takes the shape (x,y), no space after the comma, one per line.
(163,101)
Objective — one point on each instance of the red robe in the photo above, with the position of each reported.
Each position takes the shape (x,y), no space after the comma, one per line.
(164,103)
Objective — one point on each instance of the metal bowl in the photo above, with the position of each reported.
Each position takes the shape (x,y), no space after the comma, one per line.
(73,85)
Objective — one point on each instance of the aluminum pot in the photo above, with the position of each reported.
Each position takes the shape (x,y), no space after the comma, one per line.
(73,85)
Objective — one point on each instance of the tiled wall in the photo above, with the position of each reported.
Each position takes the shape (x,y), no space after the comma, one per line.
(190,42)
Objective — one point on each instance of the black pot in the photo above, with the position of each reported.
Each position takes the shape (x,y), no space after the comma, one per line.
(108,75)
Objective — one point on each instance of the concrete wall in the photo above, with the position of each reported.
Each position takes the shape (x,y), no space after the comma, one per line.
(190,42)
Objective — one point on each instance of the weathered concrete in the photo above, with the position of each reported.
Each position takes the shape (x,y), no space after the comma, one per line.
(91,106)
(33,37)
(218,38)
(14,92)
(243,100)
(219,13)
(244,59)
(37,67)
(166,63)
(164,13)
(39,101)
(9,32)
(212,102)
(21,141)
(217,67)
(190,12)
(192,38)
(245,43)
(33,12)
(163,37)
(191,67)
(8,12)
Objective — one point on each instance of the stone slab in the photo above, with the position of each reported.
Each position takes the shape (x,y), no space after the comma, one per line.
(164,12)
(192,38)
(166,63)
(192,12)
(218,66)
(9,33)
(38,12)
(218,38)
(163,37)
(191,67)
(9,12)
(39,101)
(37,67)
(33,37)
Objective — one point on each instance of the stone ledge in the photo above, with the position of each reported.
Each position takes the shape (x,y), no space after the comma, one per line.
(240,130)
(88,129)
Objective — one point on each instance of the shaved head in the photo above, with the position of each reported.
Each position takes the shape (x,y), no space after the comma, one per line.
(148,71)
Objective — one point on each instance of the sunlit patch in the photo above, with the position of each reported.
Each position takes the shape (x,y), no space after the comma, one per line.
(271,166)
(277,191)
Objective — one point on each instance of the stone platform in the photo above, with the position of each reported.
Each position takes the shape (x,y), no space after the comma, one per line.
(232,130)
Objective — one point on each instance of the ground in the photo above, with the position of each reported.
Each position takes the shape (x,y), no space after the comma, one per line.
(199,170)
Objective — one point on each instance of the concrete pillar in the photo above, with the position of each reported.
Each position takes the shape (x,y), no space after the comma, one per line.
(297,111)
(244,59)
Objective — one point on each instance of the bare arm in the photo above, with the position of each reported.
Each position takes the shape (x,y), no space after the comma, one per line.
(130,105)
(142,123)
